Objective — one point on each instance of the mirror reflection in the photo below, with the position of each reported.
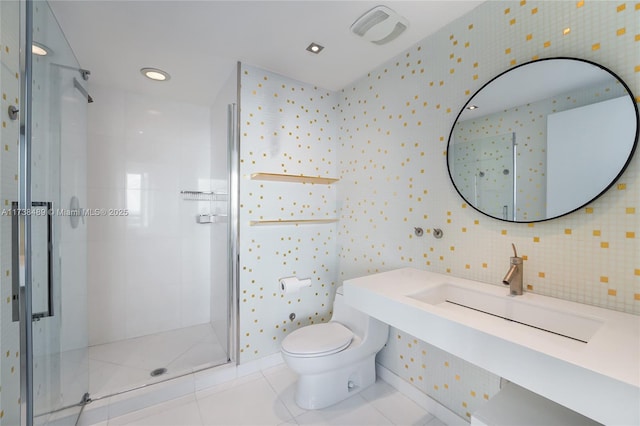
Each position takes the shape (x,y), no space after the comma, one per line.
(542,139)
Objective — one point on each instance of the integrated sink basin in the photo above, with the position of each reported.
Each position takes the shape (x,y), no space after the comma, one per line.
(456,298)
(580,356)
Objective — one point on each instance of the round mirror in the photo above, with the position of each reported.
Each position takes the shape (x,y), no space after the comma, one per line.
(542,139)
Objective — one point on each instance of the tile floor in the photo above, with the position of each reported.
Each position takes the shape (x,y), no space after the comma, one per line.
(126,364)
(267,398)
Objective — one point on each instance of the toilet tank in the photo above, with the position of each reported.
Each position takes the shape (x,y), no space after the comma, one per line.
(348,316)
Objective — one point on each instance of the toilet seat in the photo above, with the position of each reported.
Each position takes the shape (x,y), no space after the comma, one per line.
(318,340)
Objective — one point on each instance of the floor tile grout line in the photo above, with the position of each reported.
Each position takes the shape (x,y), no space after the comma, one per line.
(395,391)
(193,334)
(379,411)
(292,417)
(274,375)
(152,408)
(226,386)
(196,342)
(199,409)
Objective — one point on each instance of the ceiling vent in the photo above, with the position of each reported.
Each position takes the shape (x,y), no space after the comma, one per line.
(380,25)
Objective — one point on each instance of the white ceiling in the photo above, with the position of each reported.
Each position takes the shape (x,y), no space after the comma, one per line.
(199,42)
(532,83)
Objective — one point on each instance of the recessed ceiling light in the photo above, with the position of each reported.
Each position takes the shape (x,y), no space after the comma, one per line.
(472,107)
(155,74)
(315,48)
(39,49)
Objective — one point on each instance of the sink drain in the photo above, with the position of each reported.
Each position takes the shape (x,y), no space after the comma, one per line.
(158,372)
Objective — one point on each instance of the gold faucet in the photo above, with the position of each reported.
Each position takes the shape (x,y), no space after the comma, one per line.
(514,276)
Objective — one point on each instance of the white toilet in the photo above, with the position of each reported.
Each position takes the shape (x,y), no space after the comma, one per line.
(334,360)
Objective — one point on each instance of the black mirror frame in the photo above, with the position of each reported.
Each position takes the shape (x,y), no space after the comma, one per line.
(613,181)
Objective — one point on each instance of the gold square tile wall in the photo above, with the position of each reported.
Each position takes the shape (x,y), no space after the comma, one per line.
(287,128)
(385,136)
(394,126)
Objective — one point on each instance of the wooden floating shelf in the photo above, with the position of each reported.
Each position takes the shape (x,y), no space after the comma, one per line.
(291,222)
(276,177)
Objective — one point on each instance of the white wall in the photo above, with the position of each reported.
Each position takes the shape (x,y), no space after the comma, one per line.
(73,241)
(587,136)
(149,271)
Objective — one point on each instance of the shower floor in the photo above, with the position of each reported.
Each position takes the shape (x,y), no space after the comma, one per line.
(126,364)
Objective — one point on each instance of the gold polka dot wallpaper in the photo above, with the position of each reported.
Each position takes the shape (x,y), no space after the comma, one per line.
(287,225)
(385,137)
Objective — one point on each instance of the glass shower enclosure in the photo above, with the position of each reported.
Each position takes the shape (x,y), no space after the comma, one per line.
(44,332)
(44,335)
(485,170)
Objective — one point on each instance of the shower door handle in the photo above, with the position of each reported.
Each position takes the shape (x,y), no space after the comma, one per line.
(17,262)
(42,252)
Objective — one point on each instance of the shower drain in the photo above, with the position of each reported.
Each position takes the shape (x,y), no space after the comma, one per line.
(158,372)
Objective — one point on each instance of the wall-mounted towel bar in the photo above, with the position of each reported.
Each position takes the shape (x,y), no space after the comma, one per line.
(204,196)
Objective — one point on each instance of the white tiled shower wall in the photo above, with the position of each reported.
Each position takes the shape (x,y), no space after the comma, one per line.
(148,271)
(392,128)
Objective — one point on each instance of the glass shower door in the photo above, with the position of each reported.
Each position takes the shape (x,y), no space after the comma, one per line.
(10,350)
(487,168)
(54,252)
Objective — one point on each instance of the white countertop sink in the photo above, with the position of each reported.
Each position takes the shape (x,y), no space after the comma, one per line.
(478,304)
(583,357)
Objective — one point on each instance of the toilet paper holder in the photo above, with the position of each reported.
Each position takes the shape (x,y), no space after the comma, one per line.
(293,284)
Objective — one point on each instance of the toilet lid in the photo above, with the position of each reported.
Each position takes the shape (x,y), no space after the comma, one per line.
(318,339)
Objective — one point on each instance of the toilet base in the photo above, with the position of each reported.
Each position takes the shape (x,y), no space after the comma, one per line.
(317,391)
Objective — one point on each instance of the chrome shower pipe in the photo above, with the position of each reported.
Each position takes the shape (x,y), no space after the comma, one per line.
(83,72)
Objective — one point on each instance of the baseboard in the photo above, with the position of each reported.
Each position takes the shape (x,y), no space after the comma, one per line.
(260,364)
(420,398)
(215,376)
